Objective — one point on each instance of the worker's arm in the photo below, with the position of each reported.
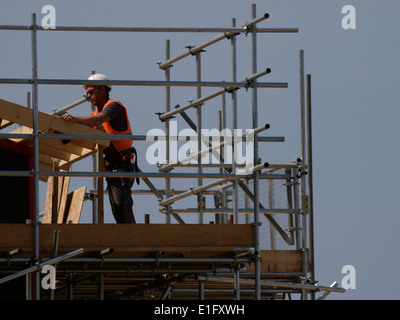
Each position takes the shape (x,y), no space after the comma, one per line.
(90,121)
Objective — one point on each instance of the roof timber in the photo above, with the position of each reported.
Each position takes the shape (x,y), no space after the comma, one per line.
(67,151)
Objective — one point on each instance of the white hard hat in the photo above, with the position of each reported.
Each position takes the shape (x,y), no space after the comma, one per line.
(98,76)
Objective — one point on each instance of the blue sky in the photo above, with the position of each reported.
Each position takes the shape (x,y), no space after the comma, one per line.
(355,100)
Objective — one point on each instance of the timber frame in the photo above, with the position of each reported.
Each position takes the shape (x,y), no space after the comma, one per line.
(67,151)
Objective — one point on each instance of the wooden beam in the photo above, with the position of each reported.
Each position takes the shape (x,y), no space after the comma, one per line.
(22,130)
(44,167)
(23,115)
(63,199)
(74,205)
(62,194)
(46,123)
(49,202)
(69,146)
(55,144)
(130,239)
(280,261)
(45,159)
(54,152)
(5,123)
(67,152)
(55,195)
(140,240)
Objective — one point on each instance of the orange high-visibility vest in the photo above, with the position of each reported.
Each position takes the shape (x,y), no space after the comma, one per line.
(120,145)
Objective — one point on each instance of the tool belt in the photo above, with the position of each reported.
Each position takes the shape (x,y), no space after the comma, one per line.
(129,158)
(124,161)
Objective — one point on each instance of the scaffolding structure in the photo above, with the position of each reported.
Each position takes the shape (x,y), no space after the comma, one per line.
(222,260)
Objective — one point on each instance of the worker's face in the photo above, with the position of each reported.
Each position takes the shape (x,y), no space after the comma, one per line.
(97,95)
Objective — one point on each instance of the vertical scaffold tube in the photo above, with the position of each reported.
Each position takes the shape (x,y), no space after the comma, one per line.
(234,150)
(223,217)
(199,126)
(256,178)
(302,117)
(303,181)
(94,179)
(167,131)
(234,126)
(310,183)
(33,28)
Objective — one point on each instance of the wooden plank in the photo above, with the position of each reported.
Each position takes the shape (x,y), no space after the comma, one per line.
(54,152)
(59,125)
(280,261)
(48,206)
(56,195)
(64,165)
(5,123)
(22,130)
(22,115)
(63,185)
(137,240)
(46,153)
(44,167)
(55,144)
(54,148)
(130,239)
(68,153)
(63,199)
(88,144)
(69,147)
(74,205)
(45,159)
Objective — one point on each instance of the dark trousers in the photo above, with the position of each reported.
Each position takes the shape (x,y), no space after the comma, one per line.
(119,193)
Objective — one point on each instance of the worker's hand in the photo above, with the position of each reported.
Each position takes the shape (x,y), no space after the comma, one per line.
(68,117)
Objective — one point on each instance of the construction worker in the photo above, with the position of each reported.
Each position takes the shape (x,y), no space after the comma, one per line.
(112,117)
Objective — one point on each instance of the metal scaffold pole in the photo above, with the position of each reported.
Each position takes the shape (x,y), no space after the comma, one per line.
(234,125)
(310,182)
(200,199)
(235,182)
(94,179)
(256,174)
(33,28)
(167,129)
(225,31)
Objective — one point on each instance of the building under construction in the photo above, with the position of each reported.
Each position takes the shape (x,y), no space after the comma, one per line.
(223,259)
